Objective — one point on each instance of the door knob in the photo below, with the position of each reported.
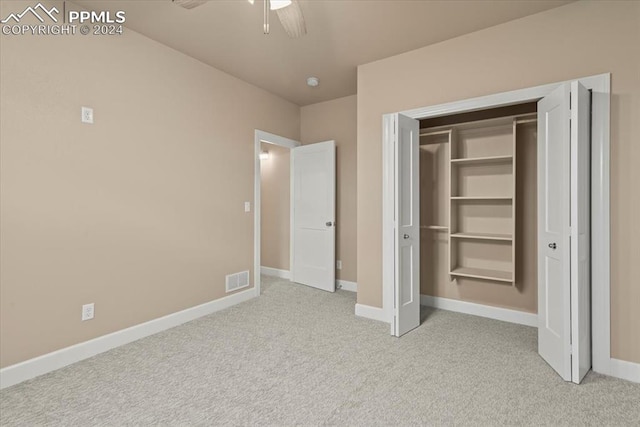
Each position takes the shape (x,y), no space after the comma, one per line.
(329,224)
(406,236)
(553,246)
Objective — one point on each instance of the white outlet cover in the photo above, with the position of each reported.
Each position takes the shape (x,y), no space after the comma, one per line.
(339,265)
(87,115)
(247,206)
(88,311)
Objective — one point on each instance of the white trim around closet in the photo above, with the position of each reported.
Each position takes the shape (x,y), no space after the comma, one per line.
(373,313)
(490,312)
(600,86)
(626,370)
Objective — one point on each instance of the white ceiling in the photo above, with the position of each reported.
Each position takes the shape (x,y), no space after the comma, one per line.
(342,34)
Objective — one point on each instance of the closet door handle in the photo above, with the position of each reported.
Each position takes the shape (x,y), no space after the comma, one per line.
(553,246)
(406,236)
(329,224)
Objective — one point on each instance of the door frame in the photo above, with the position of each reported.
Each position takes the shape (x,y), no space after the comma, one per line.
(268,138)
(600,85)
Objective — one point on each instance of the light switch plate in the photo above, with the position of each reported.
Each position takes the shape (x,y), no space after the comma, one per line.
(87,115)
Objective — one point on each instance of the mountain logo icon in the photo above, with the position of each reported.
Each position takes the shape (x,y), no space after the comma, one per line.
(34,11)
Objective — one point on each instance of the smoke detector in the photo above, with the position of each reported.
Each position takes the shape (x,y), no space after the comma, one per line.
(189,4)
(313,81)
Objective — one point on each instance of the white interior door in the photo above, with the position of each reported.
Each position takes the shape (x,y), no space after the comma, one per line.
(564,267)
(580,227)
(554,239)
(406,315)
(313,232)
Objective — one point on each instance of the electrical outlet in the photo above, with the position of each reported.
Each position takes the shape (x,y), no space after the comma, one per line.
(87,115)
(87,311)
(247,206)
(339,265)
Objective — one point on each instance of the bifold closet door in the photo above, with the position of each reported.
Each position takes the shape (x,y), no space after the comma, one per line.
(563,224)
(406,313)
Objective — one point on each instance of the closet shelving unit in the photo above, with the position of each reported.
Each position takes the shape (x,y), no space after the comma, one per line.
(482,197)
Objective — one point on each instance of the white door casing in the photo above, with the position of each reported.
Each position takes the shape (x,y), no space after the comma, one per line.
(407,218)
(259,138)
(580,228)
(313,195)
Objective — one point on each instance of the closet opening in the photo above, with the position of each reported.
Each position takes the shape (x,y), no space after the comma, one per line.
(478,190)
(498,206)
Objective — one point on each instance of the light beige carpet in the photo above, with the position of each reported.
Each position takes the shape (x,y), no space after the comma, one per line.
(299,356)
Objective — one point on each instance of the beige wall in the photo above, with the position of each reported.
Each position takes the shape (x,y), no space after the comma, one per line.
(336,120)
(580,39)
(275,189)
(140,213)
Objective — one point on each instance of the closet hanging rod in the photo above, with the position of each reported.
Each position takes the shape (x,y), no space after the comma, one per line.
(435,227)
(495,121)
(436,132)
(523,121)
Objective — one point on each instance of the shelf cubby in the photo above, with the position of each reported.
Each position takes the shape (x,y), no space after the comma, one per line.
(483,273)
(483,236)
(487,198)
(482,160)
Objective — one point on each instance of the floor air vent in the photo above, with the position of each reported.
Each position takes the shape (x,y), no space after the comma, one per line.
(237,281)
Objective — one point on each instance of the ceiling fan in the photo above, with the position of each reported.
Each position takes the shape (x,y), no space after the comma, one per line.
(290,16)
(288,11)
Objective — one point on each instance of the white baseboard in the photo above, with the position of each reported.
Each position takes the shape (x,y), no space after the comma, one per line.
(629,371)
(40,365)
(345,285)
(286,274)
(373,313)
(497,313)
(276,272)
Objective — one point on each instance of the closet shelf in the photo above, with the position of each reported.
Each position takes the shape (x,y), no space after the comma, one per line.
(482,273)
(483,236)
(490,159)
(481,198)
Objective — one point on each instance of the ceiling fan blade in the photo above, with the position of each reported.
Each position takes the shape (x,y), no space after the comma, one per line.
(292,20)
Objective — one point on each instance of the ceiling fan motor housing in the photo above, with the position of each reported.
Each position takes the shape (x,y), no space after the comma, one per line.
(189,4)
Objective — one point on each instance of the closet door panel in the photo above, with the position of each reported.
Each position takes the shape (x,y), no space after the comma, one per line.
(406,311)
(554,328)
